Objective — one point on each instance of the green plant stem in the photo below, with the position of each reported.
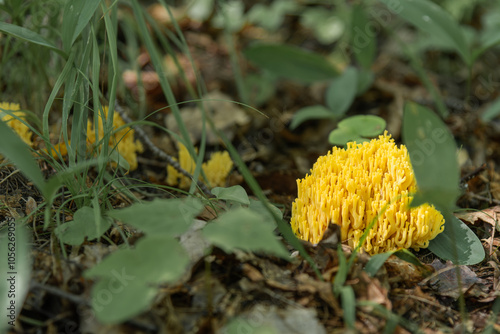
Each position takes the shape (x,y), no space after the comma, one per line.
(233,55)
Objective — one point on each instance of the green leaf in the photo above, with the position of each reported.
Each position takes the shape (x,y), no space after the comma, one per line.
(309,113)
(357,128)
(409,257)
(154,260)
(342,136)
(377,261)
(27,35)
(15,266)
(365,81)
(115,300)
(492,111)
(363,38)
(433,155)
(260,208)
(348,300)
(457,237)
(170,217)
(85,224)
(342,91)
(364,125)
(15,149)
(235,193)
(244,229)
(432,19)
(77,15)
(291,62)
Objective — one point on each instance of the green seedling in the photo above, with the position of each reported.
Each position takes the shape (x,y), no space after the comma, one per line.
(357,128)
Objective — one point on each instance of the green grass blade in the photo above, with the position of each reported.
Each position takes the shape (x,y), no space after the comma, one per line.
(77,15)
(158,65)
(29,36)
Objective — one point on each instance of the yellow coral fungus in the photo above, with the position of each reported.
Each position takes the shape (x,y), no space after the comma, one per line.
(216,169)
(122,140)
(21,129)
(350,187)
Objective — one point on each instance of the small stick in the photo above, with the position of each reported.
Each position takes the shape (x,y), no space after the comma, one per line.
(158,152)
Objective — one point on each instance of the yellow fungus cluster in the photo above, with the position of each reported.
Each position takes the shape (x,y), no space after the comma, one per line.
(19,127)
(350,187)
(121,140)
(216,169)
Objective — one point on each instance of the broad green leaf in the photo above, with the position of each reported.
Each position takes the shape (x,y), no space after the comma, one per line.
(492,111)
(363,37)
(433,155)
(457,237)
(342,136)
(115,300)
(291,62)
(309,113)
(15,270)
(357,128)
(77,14)
(234,193)
(15,149)
(432,19)
(27,35)
(260,208)
(364,125)
(365,81)
(170,217)
(244,229)
(85,224)
(342,91)
(154,260)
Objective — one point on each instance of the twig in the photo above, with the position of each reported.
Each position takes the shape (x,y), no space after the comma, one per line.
(158,152)
(485,199)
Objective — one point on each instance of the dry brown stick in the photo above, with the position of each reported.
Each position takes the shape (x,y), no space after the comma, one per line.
(158,152)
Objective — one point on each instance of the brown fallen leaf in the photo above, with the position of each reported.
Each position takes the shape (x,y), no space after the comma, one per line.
(445,280)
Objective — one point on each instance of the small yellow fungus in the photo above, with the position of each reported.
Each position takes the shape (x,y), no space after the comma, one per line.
(19,127)
(216,169)
(350,187)
(121,140)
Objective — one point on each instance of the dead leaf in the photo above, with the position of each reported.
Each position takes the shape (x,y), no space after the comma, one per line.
(445,280)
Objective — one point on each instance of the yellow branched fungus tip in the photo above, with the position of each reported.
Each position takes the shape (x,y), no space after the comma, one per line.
(216,169)
(19,127)
(351,186)
(122,140)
